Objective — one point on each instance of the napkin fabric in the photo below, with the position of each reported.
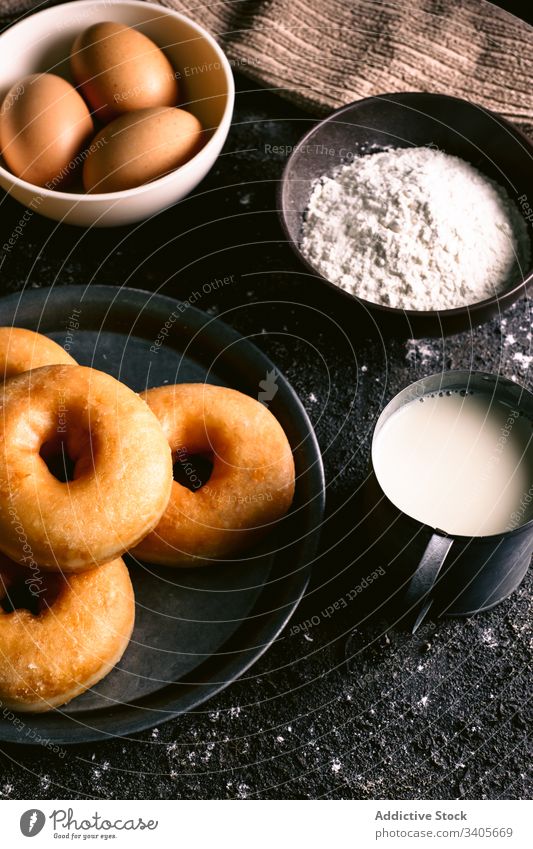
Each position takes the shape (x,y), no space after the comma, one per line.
(325,53)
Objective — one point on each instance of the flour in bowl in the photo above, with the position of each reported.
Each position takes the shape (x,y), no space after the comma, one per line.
(414,228)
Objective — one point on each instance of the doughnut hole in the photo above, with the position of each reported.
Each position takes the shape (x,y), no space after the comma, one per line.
(18,596)
(67,447)
(28,589)
(192,470)
(60,464)
(202,452)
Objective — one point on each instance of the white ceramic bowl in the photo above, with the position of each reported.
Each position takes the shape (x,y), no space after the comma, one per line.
(42,42)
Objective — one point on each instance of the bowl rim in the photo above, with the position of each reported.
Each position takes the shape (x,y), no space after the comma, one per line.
(510,294)
(80,197)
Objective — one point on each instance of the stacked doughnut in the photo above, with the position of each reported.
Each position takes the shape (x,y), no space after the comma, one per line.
(86,475)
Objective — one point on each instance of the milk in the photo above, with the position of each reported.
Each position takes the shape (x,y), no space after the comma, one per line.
(458,461)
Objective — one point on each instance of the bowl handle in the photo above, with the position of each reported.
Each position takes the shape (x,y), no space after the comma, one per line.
(418,596)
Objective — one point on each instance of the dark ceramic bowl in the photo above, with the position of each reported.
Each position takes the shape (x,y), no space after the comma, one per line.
(408,119)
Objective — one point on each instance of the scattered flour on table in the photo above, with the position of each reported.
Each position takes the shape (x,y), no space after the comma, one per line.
(524,360)
(419,351)
(414,228)
(487,636)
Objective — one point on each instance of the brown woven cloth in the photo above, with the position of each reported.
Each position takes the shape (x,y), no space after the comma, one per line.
(324,53)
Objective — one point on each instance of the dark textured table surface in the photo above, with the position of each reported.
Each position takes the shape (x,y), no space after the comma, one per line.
(349,705)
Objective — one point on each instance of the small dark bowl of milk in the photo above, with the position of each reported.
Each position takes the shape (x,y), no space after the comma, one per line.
(450,495)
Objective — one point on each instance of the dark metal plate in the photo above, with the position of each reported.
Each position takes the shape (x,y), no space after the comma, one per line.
(196,630)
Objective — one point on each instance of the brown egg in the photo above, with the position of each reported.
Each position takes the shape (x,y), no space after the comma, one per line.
(120,70)
(44,125)
(139,147)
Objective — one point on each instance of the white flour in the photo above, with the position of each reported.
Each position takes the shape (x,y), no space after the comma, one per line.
(414,228)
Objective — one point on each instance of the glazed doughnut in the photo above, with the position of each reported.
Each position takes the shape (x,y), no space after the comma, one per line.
(251,484)
(77,632)
(22,350)
(120,477)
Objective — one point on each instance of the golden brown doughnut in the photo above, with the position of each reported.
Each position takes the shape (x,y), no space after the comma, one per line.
(22,350)
(251,484)
(122,468)
(78,632)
